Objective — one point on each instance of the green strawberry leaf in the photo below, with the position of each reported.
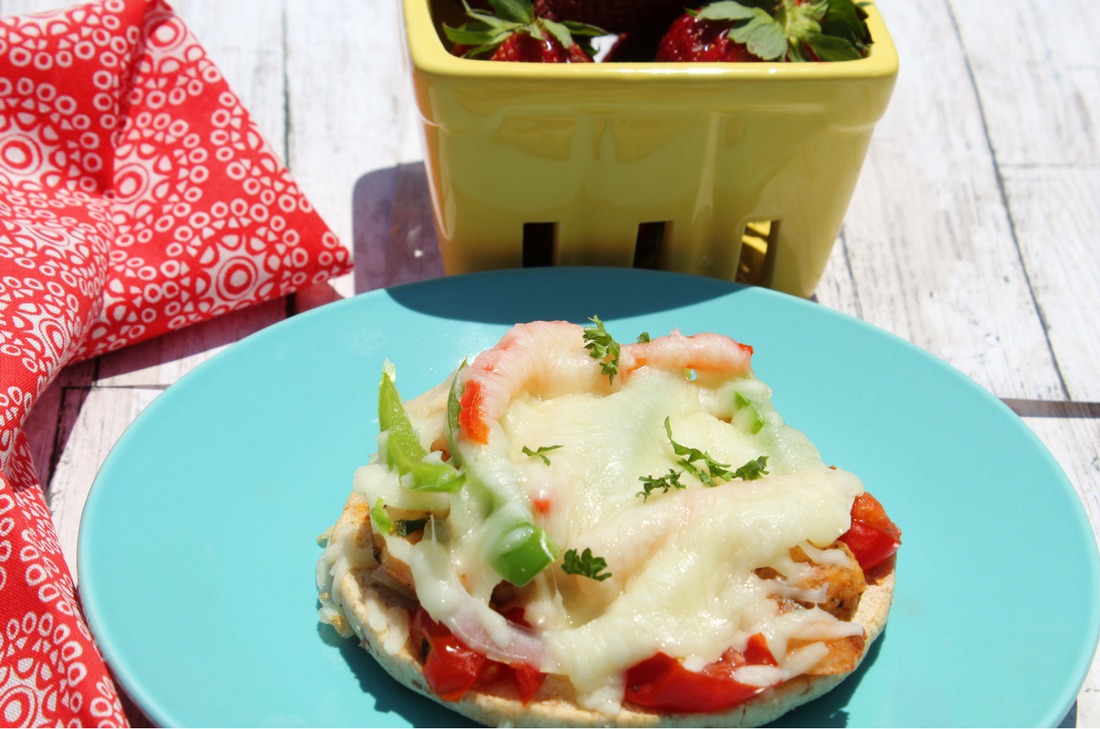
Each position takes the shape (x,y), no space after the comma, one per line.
(727,10)
(583,29)
(472,35)
(832,48)
(482,18)
(845,19)
(516,11)
(763,36)
(560,32)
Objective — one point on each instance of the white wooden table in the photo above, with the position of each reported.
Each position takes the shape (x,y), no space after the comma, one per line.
(972,232)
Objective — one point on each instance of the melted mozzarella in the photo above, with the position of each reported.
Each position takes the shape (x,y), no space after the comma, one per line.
(683,562)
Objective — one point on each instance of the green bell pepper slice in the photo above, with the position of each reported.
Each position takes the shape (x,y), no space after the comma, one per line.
(746,414)
(403,451)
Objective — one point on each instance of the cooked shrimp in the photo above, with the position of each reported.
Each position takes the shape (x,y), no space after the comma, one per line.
(543,358)
(709,352)
(550,358)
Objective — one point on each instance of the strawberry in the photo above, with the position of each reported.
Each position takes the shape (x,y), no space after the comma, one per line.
(768,30)
(616,16)
(512,31)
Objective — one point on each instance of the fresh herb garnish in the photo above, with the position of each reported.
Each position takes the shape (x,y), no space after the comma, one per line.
(670,480)
(585,565)
(754,469)
(643,337)
(603,347)
(713,469)
(702,466)
(541,452)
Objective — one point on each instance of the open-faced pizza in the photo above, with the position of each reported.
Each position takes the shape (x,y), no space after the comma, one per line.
(574,531)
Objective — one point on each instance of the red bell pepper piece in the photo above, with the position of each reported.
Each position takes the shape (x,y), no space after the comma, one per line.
(470,417)
(872,537)
(451,668)
(663,684)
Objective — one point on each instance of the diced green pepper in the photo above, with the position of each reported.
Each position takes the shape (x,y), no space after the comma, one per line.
(388,525)
(454,409)
(381,517)
(522,553)
(404,453)
(519,550)
(746,415)
(516,548)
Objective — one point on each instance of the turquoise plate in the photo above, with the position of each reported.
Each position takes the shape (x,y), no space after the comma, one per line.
(198,543)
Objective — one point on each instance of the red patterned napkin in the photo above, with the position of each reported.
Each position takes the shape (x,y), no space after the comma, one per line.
(136,197)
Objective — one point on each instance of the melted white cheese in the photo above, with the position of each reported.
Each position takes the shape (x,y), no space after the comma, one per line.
(682,562)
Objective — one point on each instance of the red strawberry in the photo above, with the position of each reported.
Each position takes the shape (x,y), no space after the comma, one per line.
(768,30)
(693,38)
(527,48)
(512,31)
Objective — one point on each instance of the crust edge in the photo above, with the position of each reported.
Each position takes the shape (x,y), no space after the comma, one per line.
(554,706)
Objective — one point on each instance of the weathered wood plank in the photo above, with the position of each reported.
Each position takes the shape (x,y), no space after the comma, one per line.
(1039,85)
(1057,219)
(46,427)
(161,361)
(1037,69)
(244,38)
(927,238)
(351,115)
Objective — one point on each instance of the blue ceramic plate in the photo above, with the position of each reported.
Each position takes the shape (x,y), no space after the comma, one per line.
(198,543)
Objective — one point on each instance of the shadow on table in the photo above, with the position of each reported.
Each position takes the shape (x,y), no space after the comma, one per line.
(393,232)
(394,243)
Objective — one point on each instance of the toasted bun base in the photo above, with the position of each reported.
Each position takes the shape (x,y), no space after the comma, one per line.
(365,603)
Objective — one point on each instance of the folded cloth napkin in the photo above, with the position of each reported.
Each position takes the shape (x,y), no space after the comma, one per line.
(136,197)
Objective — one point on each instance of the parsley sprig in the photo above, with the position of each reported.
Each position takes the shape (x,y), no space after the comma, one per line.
(585,564)
(603,347)
(753,470)
(702,466)
(670,480)
(710,469)
(541,452)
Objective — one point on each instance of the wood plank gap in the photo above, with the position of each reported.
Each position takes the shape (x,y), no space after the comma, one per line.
(1003,194)
(847,260)
(285,65)
(1073,166)
(1052,408)
(73,395)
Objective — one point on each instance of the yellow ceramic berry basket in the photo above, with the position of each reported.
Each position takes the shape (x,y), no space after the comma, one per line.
(742,171)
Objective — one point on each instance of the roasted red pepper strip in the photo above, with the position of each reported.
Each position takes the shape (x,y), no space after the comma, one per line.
(470,417)
(451,668)
(528,681)
(661,683)
(872,537)
(757,652)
